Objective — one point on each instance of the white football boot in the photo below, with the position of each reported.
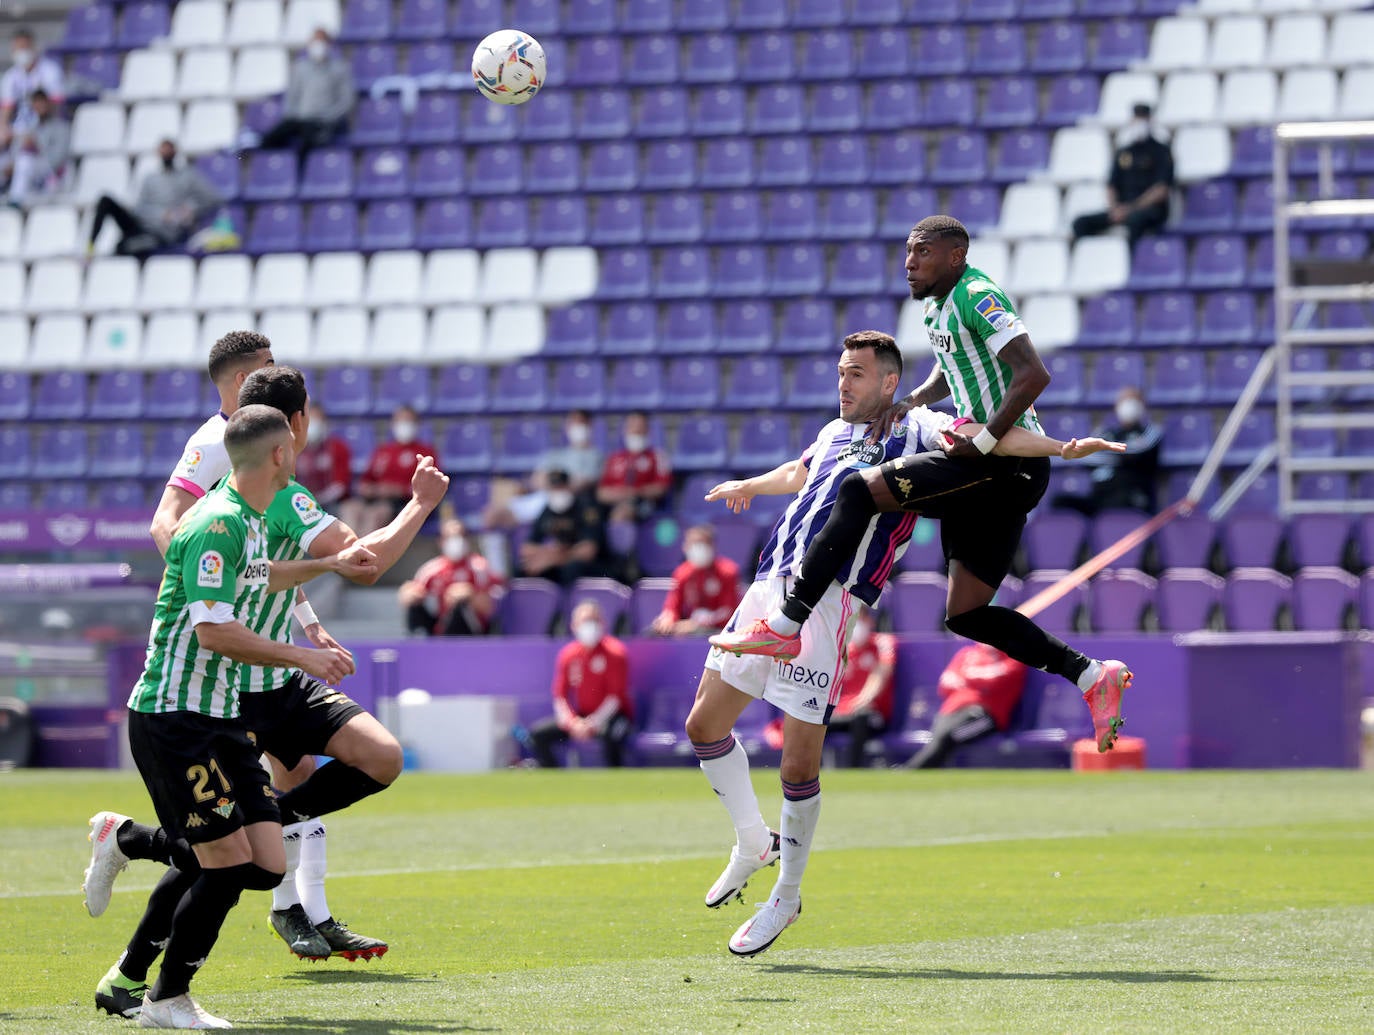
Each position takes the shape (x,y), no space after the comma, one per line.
(771,920)
(107,861)
(736,875)
(180,1011)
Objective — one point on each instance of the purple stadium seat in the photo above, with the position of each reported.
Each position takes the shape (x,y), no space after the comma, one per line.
(886,53)
(429,59)
(1357,359)
(62,452)
(951,102)
(654,61)
(1120,599)
(1318,540)
(365,21)
(439,173)
(762,14)
(692,508)
(637,384)
(1231,370)
(502,223)
(120,451)
(903,209)
(1228,318)
(552,169)
(859,269)
(89,28)
(60,395)
(710,59)
(16,445)
(644,16)
(827,55)
(1186,542)
(848,215)
(1159,262)
(772,58)
(328,174)
(444,224)
(1186,599)
(934,11)
(876,12)
(1009,101)
(271,176)
(690,327)
(1317,485)
(118,395)
(559,222)
(702,15)
(1251,540)
(1019,155)
(1253,599)
(676,219)
(604,114)
(625,273)
(1054,539)
(437,118)
(1067,380)
(662,112)
(667,165)
(791,216)
(1113,372)
(1252,152)
(141,23)
(348,390)
(768,444)
(596,61)
(868,312)
(537,17)
(496,170)
(980,206)
(1255,210)
(755,384)
(1167,318)
(960,158)
(631,329)
(702,444)
(466,447)
(469,497)
(1323,598)
(1178,378)
(1069,99)
(808,326)
(744,326)
(15,402)
(361,438)
(718,111)
(521,387)
(373,61)
(68,495)
(1367,600)
(377,121)
(461,388)
(734,216)
(1061,616)
(1256,432)
(916,601)
(99,69)
(997,49)
(684,273)
(942,51)
(173,395)
(1209,206)
(1218,262)
(123,495)
(530,607)
(893,105)
(778,108)
(552,119)
(578,384)
(841,160)
(727,163)
(614,166)
(521,443)
(785,162)
(618,219)
(1342,245)
(1060,46)
(1119,43)
(388,226)
(1110,526)
(695,383)
(1106,8)
(382,173)
(613,596)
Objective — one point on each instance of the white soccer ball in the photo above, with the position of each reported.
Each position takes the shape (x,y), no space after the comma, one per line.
(508,66)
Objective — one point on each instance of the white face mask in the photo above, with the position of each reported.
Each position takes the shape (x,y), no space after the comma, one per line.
(1136,130)
(455,547)
(861,633)
(1129,411)
(636,443)
(22,58)
(560,501)
(578,434)
(699,555)
(588,633)
(404,431)
(316,433)
(317,49)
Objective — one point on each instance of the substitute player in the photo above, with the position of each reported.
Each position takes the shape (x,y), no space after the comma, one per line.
(195,756)
(807,686)
(985,360)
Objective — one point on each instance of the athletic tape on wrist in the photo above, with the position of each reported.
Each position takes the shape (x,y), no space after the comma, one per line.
(305,614)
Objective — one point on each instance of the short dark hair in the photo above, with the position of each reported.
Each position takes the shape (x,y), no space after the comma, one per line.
(22,33)
(248,432)
(705,529)
(936,227)
(282,388)
(39,94)
(884,347)
(1142,111)
(233,351)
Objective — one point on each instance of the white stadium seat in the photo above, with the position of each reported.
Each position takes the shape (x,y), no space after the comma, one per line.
(1052,320)
(507,275)
(57,343)
(150,123)
(1308,94)
(210,126)
(1178,43)
(1352,40)
(198,23)
(50,231)
(393,278)
(336,278)
(513,332)
(98,127)
(991,256)
(14,332)
(450,276)
(259,72)
(280,280)
(1122,91)
(114,340)
(13,280)
(398,333)
(1239,42)
(303,17)
(290,332)
(1296,40)
(1357,94)
(1037,266)
(224,282)
(1187,97)
(1080,199)
(341,335)
(168,282)
(1099,264)
(1080,154)
(1201,152)
(566,275)
(1248,97)
(54,286)
(111,283)
(1226,6)
(254,21)
(172,339)
(215,325)
(148,75)
(1029,210)
(11,231)
(101,174)
(203,73)
(911,326)
(457,332)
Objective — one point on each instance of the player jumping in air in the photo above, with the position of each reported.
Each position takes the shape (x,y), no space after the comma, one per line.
(985,360)
(806,685)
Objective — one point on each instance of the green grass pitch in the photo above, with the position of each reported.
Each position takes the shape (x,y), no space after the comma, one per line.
(571,902)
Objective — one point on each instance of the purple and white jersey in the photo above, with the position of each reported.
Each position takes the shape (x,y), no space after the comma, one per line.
(839,449)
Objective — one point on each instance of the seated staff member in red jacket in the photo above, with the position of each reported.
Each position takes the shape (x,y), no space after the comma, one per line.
(980,687)
(454,594)
(384,485)
(705,589)
(591,691)
(865,708)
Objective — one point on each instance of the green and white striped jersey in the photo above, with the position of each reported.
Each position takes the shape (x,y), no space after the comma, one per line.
(967,329)
(218,555)
(293,521)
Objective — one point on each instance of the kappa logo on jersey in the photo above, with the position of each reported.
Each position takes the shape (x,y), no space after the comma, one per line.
(191,460)
(217,527)
(193,821)
(211,574)
(990,308)
(306,508)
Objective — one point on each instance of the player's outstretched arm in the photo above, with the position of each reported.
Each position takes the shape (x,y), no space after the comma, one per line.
(355,560)
(174,503)
(1020,442)
(239,643)
(783,480)
(389,544)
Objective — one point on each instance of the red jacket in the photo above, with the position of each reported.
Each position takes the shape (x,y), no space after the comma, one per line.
(707,595)
(584,677)
(392,465)
(636,470)
(979,674)
(326,469)
(438,574)
(860,661)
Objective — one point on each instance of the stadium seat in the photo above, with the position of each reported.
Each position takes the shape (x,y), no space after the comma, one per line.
(1247,97)
(457,332)
(960,158)
(529,608)
(508,275)
(637,384)
(690,327)
(701,444)
(15,398)
(1079,153)
(1120,600)
(1254,598)
(341,335)
(172,395)
(784,161)
(203,73)
(1187,598)
(1324,598)
(1062,616)
(147,75)
(916,602)
(513,331)
(62,452)
(1054,539)
(114,340)
(560,222)
(653,61)
(520,445)
(60,395)
(631,329)
(50,231)
(53,285)
(444,224)
(523,387)
(1307,94)
(695,382)
(1038,266)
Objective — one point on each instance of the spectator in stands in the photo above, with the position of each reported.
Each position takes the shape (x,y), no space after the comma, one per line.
(454,594)
(981,687)
(172,203)
(591,692)
(385,485)
(1123,480)
(1138,186)
(865,708)
(634,481)
(325,465)
(29,72)
(705,590)
(568,539)
(580,460)
(319,98)
(38,154)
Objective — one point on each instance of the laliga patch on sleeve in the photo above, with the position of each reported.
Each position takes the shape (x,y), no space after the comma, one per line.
(190,462)
(990,308)
(306,508)
(211,571)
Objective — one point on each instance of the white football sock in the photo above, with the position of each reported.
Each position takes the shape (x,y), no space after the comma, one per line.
(284,895)
(310,875)
(798,828)
(1090,675)
(782,625)
(729,777)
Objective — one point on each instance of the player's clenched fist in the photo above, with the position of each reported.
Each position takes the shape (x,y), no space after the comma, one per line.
(428,484)
(330,665)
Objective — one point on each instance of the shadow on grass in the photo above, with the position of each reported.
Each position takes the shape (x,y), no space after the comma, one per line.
(316,976)
(1125,977)
(360,1026)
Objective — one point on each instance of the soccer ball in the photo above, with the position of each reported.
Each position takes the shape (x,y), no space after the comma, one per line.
(508,66)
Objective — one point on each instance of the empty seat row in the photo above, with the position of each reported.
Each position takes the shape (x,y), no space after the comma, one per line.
(197,23)
(1251,40)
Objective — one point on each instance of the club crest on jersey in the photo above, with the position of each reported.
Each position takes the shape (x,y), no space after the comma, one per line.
(990,308)
(223,808)
(306,508)
(210,574)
